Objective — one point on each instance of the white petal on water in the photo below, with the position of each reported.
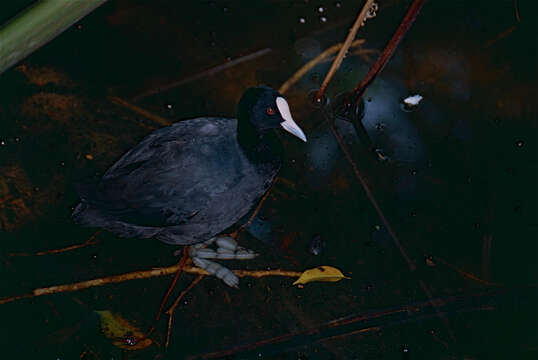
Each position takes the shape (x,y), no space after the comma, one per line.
(413,100)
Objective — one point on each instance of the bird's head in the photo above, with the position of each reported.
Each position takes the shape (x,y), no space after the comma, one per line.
(265,108)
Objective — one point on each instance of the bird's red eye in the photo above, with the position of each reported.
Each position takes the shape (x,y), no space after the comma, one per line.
(270,111)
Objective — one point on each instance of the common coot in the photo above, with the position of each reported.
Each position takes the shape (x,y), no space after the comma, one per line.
(188,182)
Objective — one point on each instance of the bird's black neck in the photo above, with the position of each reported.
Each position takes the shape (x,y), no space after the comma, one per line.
(258,146)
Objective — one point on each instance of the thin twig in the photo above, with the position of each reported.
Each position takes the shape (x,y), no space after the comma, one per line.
(143,274)
(361,323)
(380,213)
(170,311)
(155,118)
(312,63)
(500,36)
(387,53)
(516,9)
(369,194)
(90,241)
(343,50)
(209,72)
(467,274)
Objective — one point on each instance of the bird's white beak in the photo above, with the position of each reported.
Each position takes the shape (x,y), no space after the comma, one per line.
(289,125)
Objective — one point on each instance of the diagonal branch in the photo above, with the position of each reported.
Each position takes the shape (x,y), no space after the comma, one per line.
(408,20)
(343,50)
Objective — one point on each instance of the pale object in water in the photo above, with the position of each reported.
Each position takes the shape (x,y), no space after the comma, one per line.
(413,100)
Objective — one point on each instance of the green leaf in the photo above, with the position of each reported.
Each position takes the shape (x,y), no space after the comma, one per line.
(121,332)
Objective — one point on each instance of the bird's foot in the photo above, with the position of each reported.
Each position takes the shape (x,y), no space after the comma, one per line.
(226,249)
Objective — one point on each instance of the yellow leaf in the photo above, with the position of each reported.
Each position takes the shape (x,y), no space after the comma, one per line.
(121,332)
(320,273)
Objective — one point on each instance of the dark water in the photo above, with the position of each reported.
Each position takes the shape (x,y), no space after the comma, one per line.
(457,183)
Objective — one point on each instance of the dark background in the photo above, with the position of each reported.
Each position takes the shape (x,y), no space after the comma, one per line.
(459,188)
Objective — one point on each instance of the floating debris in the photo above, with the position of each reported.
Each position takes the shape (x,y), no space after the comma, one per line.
(410,103)
(429,261)
(381,156)
(321,273)
(413,100)
(317,245)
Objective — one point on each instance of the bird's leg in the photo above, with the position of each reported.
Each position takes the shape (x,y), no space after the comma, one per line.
(195,247)
(227,249)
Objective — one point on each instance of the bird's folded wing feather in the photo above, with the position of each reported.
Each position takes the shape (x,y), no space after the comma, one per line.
(171,175)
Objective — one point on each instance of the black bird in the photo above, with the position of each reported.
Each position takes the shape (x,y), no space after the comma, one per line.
(188,182)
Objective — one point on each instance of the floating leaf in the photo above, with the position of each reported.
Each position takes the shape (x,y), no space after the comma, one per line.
(320,273)
(121,332)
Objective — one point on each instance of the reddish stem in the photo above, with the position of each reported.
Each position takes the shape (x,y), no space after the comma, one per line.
(181,265)
(173,284)
(408,20)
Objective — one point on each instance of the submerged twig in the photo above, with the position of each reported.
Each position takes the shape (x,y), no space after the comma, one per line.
(370,194)
(500,36)
(516,9)
(360,324)
(155,118)
(467,274)
(411,265)
(170,311)
(343,50)
(90,241)
(209,72)
(143,274)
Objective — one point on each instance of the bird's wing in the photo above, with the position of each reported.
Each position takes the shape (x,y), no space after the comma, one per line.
(172,174)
